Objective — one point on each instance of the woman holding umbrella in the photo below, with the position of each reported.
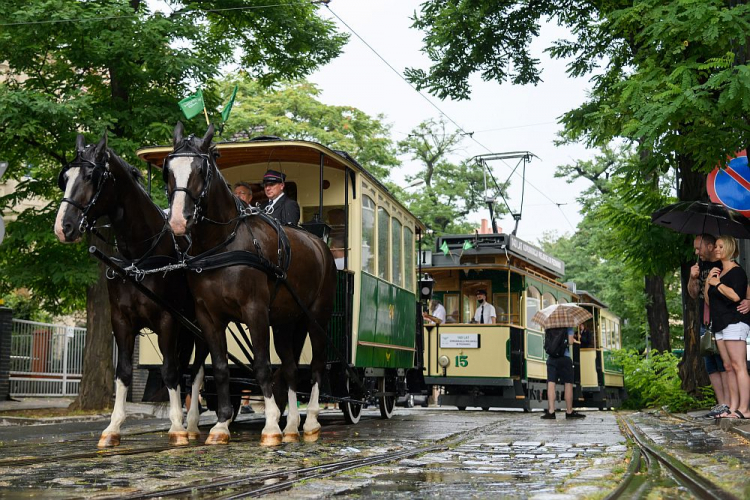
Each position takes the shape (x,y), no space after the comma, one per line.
(724,289)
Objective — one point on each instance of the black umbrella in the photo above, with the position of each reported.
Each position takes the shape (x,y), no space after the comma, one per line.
(698,217)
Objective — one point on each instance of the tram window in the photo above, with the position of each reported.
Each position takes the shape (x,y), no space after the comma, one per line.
(533,301)
(384,220)
(507,306)
(548,300)
(409,259)
(396,249)
(562,300)
(450,302)
(368,235)
(618,343)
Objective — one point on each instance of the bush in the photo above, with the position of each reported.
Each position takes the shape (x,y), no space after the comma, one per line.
(655,382)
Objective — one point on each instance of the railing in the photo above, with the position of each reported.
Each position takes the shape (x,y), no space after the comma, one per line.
(45,359)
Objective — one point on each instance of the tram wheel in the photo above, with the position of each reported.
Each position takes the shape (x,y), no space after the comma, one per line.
(386,402)
(352,411)
(485,408)
(461,408)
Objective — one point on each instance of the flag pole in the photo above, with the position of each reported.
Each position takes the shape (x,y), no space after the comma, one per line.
(206,114)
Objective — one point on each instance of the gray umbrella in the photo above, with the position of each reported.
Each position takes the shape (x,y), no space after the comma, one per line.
(698,217)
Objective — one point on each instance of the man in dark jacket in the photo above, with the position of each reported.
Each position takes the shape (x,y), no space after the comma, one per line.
(283,208)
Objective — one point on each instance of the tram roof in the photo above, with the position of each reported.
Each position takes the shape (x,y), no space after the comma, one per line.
(256,150)
(587,298)
(493,244)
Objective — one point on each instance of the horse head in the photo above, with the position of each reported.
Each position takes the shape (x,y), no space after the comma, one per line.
(187,176)
(82,180)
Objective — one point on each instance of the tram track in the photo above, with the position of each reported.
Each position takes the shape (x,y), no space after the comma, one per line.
(662,470)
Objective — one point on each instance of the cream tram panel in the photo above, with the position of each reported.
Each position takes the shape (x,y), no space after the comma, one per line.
(588,368)
(152,356)
(473,350)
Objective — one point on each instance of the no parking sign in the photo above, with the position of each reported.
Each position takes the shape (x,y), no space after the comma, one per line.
(730,185)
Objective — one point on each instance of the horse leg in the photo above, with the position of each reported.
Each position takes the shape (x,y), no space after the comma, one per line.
(317,365)
(171,372)
(256,320)
(198,372)
(217,345)
(288,374)
(123,378)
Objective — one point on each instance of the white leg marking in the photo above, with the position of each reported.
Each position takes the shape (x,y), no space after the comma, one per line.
(193,414)
(180,168)
(72,176)
(272,417)
(313,409)
(292,420)
(175,410)
(118,413)
(221,427)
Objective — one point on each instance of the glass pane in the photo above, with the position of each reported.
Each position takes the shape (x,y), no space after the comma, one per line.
(368,235)
(396,252)
(383,248)
(548,300)
(562,300)
(533,301)
(451,308)
(409,260)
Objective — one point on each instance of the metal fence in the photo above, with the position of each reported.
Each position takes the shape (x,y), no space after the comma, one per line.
(45,359)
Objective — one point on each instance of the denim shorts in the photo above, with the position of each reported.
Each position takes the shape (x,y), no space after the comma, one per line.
(714,364)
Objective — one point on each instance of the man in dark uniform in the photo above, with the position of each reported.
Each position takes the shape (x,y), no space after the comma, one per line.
(283,208)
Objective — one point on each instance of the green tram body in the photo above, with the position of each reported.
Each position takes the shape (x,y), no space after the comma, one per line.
(374,324)
(504,364)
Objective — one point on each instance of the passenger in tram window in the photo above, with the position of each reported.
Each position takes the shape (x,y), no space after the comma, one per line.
(586,336)
(280,206)
(244,192)
(485,313)
(436,314)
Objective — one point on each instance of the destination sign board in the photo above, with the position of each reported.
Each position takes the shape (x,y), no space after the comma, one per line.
(459,341)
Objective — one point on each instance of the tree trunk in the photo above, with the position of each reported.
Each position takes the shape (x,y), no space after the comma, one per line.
(692,369)
(656,313)
(97,381)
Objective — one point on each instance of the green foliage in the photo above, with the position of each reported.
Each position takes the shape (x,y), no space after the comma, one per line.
(25,307)
(444,192)
(654,382)
(291,110)
(113,64)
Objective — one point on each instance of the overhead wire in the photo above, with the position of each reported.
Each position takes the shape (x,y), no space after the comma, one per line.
(443,113)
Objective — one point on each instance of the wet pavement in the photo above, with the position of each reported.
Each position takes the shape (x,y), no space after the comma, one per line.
(484,454)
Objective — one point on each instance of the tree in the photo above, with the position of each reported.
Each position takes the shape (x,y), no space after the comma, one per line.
(446,192)
(675,84)
(291,110)
(113,64)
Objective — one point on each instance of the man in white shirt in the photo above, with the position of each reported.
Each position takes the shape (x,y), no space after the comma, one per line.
(485,313)
(437,312)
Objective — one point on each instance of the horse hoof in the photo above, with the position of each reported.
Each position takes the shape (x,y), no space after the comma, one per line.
(291,437)
(178,438)
(311,436)
(194,436)
(109,440)
(270,439)
(217,438)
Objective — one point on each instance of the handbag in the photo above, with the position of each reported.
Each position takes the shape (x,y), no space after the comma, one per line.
(708,343)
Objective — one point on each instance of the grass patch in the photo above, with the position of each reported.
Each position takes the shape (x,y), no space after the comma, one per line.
(51,412)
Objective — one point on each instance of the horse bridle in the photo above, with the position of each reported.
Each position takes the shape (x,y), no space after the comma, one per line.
(102,173)
(204,171)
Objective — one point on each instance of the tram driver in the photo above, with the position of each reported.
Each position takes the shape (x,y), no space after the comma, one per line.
(485,313)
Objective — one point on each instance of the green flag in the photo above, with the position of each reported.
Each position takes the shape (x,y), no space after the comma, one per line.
(444,248)
(192,106)
(228,108)
(467,245)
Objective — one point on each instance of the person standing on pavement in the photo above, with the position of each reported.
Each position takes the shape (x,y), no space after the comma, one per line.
(279,206)
(485,313)
(723,291)
(704,245)
(560,369)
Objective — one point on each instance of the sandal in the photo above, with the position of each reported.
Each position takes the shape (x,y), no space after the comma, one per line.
(738,414)
(726,414)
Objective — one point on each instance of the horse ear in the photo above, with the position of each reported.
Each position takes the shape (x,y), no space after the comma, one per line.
(80,142)
(177,135)
(206,143)
(101,148)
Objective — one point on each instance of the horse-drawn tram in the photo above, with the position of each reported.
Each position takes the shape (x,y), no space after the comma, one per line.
(500,361)
(373,330)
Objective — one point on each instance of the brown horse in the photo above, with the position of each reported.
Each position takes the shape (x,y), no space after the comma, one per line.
(264,267)
(98,183)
